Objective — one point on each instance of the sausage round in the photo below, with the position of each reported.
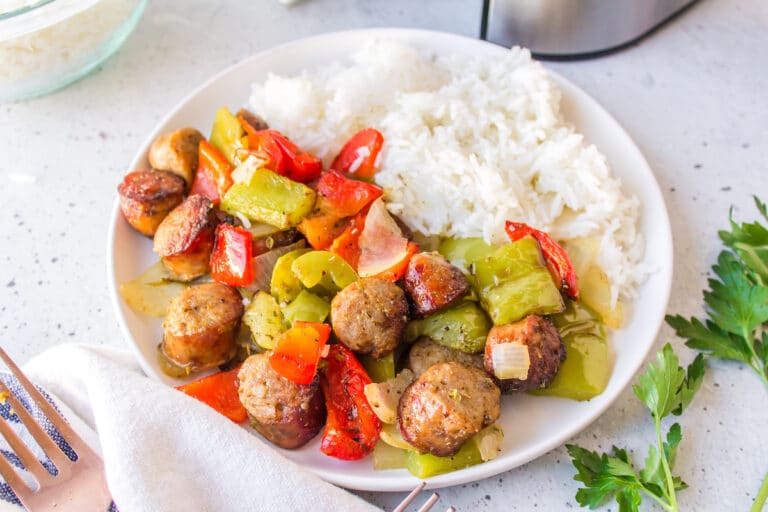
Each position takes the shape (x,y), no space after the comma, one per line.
(545,351)
(184,239)
(369,316)
(286,413)
(433,283)
(426,353)
(146,197)
(445,406)
(177,152)
(200,328)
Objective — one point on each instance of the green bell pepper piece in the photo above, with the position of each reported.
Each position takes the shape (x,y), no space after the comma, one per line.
(323,272)
(513,281)
(307,307)
(379,370)
(585,372)
(151,292)
(284,284)
(271,199)
(424,465)
(388,457)
(265,320)
(463,252)
(227,135)
(463,327)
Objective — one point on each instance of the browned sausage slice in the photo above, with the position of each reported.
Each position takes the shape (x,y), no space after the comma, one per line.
(256,121)
(201,326)
(369,316)
(146,197)
(433,283)
(184,239)
(286,413)
(545,351)
(445,406)
(177,152)
(426,353)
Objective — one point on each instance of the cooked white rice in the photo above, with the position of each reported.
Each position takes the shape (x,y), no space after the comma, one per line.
(468,143)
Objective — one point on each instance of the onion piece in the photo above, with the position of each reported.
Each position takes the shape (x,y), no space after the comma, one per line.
(488,442)
(382,244)
(264,264)
(510,361)
(392,436)
(244,172)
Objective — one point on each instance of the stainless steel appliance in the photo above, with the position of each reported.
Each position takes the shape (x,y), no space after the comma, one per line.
(574,28)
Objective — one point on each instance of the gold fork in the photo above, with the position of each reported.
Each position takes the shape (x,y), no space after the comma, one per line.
(426,507)
(78,486)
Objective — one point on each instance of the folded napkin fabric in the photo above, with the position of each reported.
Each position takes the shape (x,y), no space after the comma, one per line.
(165,451)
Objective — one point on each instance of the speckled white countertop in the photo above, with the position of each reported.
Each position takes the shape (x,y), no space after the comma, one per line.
(692,96)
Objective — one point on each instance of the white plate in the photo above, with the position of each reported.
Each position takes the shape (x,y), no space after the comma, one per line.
(532,425)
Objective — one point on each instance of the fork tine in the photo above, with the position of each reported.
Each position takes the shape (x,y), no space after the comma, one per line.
(66,431)
(427,506)
(31,463)
(13,479)
(408,499)
(51,449)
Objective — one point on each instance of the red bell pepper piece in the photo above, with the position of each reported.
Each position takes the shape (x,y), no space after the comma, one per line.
(297,351)
(396,271)
(553,252)
(231,259)
(345,196)
(281,155)
(347,244)
(369,138)
(322,229)
(220,392)
(352,428)
(300,165)
(214,173)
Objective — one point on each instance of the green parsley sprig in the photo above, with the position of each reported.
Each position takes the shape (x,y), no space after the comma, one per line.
(665,388)
(736,306)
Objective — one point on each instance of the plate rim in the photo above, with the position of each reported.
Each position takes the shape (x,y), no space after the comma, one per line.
(496,466)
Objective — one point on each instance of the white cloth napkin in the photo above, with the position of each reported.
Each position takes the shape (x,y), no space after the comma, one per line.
(165,451)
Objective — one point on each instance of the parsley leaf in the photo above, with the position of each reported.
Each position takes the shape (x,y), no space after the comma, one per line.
(737,307)
(710,338)
(665,388)
(737,300)
(735,303)
(750,242)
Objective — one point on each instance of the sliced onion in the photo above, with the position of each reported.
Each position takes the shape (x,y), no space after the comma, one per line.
(488,442)
(260,230)
(382,244)
(264,263)
(510,361)
(244,172)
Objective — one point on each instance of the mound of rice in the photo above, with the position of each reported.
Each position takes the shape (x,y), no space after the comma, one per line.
(468,143)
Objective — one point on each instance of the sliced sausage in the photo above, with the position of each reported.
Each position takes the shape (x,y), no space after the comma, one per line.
(177,152)
(184,239)
(369,316)
(545,351)
(286,413)
(200,328)
(146,197)
(445,406)
(433,283)
(426,353)
(256,121)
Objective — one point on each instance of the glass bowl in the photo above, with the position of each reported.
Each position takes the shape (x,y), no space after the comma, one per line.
(48,44)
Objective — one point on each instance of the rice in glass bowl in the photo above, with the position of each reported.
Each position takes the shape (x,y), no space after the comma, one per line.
(48,44)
